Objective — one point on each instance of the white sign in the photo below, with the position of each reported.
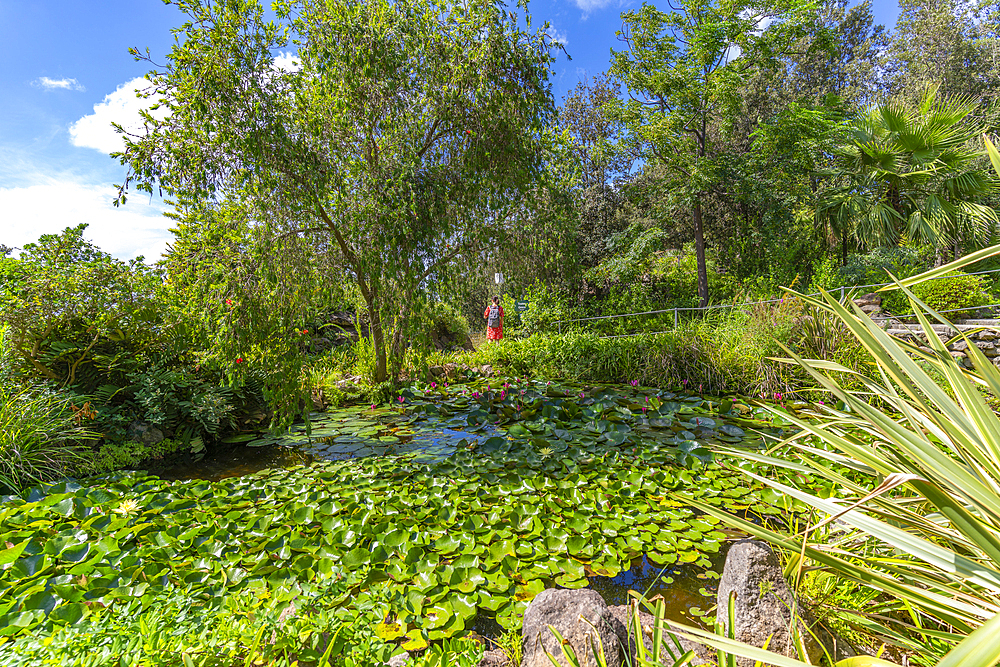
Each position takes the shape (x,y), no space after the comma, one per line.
(498,278)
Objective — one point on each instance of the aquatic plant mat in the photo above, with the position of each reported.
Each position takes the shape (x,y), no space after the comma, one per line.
(452,502)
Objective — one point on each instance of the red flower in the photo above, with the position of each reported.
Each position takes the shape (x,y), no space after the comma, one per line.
(239,360)
(305,331)
(229,302)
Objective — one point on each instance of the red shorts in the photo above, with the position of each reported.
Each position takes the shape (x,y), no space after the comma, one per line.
(494,333)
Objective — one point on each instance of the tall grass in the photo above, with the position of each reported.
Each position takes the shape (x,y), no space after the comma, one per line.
(40,437)
(915,461)
(726,353)
(40,432)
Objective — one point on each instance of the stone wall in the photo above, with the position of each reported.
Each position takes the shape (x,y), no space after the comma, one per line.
(984,334)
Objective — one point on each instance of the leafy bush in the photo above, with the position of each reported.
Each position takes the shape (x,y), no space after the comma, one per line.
(956,292)
(178,400)
(676,279)
(452,653)
(923,528)
(364,359)
(175,627)
(40,437)
(730,353)
(545,307)
(446,322)
(126,455)
(76,315)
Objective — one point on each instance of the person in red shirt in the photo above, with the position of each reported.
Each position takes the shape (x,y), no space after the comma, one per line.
(494,320)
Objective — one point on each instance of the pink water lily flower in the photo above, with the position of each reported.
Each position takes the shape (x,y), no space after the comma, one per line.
(434,385)
(401,399)
(634,383)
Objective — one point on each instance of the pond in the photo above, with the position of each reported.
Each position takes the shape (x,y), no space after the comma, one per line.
(459,504)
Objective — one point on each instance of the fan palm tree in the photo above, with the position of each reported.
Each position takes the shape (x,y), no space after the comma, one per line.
(913,172)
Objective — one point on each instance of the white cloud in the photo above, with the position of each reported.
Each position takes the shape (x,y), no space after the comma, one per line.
(122,107)
(590,5)
(54,84)
(50,204)
(288,61)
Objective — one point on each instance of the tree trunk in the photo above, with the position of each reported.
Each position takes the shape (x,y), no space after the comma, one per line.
(398,335)
(699,245)
(699,229)
(378,338)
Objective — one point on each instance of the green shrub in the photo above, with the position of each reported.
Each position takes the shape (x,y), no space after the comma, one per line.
(955,293)
(545,307)
(126,455)
(40,437)
(676,279)
(178,399)
(446,322)
(364,359)
(729,352)
(251,626)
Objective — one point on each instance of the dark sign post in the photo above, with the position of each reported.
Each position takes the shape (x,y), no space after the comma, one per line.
(521,306)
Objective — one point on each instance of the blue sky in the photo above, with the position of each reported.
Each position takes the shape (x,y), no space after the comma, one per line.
(65,75)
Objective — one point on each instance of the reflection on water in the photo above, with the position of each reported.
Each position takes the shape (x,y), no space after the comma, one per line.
(431,440)
(236,462)
(434,440)
(680,591)
(680,594)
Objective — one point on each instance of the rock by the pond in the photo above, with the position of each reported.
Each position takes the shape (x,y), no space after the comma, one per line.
(494,658)
(871,299)
(398,660)
(625,629)
(145,433)
(565,610)
(764,605)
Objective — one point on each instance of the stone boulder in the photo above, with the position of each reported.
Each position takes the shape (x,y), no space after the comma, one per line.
(144,432)
(565,610)
(398,660)
(869,300)
(626,635)
(764,604)
(494,658)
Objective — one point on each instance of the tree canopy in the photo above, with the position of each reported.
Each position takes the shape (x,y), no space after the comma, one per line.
(405,133)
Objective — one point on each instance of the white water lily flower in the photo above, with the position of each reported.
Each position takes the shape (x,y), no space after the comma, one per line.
(127,506)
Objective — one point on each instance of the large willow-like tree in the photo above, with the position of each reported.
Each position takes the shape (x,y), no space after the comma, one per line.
(403,133)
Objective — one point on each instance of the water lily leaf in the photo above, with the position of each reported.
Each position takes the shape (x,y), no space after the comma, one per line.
(438,615)
(356,558)
(11,554)
(389,631)
(447,544)
(416,640)
(519,431)
(571,581)
(69,614)
(76,553)
(527,591)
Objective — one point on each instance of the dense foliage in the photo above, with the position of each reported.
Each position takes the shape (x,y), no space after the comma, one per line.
(338,226)
(429,540)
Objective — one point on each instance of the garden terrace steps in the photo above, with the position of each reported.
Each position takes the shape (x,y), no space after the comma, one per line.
(903,329)
(983,334)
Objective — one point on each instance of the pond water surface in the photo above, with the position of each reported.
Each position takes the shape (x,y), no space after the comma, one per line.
(360,432)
